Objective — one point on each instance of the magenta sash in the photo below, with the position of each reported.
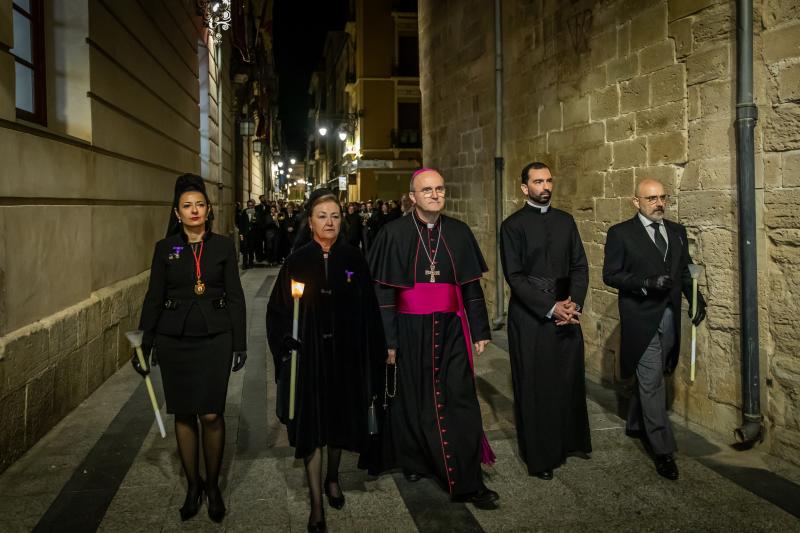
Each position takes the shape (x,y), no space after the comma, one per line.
(429,298)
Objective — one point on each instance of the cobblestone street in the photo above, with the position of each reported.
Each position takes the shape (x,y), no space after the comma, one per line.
(106,467)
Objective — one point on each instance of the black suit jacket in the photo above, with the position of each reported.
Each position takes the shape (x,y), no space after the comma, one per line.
(172,277)
(631,256)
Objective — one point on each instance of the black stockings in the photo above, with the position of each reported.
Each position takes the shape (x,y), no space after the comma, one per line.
(187,434)
(314,476)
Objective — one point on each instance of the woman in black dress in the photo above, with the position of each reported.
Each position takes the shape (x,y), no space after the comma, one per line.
(193,319)
(341,352)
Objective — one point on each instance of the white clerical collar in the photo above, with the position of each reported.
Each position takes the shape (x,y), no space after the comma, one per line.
(427,224)
(544,208)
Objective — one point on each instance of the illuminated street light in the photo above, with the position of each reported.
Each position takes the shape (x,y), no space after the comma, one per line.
(323,131)
(342,135)
(293,161)
(280,164)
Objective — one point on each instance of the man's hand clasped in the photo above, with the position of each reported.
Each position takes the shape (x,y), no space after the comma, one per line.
(566,312)
(392,356)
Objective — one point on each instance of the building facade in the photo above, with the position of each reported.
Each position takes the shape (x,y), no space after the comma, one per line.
(102,105)
(610,92)
(372,108)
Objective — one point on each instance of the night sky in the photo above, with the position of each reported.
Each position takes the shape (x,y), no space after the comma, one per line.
(300,29)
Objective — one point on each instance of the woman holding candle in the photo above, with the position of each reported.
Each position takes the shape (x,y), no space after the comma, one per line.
(193,318)
(340,347)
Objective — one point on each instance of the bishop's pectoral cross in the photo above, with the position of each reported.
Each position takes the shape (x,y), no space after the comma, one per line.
(433,272)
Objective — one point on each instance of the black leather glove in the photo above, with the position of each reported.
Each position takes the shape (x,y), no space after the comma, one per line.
(239,359)
(148,354)
(290,343)
(701,310)
(662,282)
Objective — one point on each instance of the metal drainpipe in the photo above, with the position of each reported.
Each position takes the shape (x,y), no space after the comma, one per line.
(499,163)
(220,119)
(746,116)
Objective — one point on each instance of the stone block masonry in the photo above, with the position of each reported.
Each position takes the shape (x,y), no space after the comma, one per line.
(49,367)
(609,93)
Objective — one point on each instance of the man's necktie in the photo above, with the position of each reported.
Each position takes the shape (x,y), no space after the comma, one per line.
(661,244)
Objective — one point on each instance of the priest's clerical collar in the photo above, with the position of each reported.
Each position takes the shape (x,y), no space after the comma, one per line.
(424,224)
(543,208)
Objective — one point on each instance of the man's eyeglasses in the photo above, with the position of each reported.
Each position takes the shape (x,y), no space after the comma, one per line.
(652,199)
(428,191)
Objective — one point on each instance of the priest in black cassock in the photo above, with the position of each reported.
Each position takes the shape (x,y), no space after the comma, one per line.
(546,268)
(427,269)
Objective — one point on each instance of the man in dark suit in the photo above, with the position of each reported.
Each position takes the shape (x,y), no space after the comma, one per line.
(247,233)
(647,260)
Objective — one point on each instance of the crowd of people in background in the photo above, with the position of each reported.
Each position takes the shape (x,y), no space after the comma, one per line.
(268,231)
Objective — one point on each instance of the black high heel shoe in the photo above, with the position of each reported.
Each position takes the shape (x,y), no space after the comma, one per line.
(216,507)
(193,501)
(337,502)
(317,527)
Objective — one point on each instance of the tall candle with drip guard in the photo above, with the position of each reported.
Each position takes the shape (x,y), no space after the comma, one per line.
(297,293)
(694,271)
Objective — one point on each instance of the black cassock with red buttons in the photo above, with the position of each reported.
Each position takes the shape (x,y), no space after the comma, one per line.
(433,424)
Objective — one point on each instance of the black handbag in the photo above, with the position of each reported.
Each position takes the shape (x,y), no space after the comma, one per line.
(372,419)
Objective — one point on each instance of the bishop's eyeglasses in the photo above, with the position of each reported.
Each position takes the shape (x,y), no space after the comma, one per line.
(427,192)
(652,199)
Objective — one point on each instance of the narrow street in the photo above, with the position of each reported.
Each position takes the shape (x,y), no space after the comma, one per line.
(105,467)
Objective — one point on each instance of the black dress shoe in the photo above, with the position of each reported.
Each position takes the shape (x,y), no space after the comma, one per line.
(216,507)
(337,502)
(485,499)
(412,478)
(666,467)
(193,501)
(546,475)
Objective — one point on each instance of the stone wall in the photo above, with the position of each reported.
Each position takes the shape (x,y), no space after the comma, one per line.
(49,367)
(610,92)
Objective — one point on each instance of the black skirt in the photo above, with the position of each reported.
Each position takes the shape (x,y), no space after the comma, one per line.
(195,372)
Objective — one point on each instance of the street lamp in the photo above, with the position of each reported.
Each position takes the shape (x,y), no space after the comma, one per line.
(247,127)
(280,164)
(293,161)
(342,134)
(289,170)
(323,131)
(217,17)
(258,146)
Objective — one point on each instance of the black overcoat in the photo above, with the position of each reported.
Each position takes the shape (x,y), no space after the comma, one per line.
(630,257)
(343,349)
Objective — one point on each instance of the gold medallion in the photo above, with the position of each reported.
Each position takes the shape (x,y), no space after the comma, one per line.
(199,287)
